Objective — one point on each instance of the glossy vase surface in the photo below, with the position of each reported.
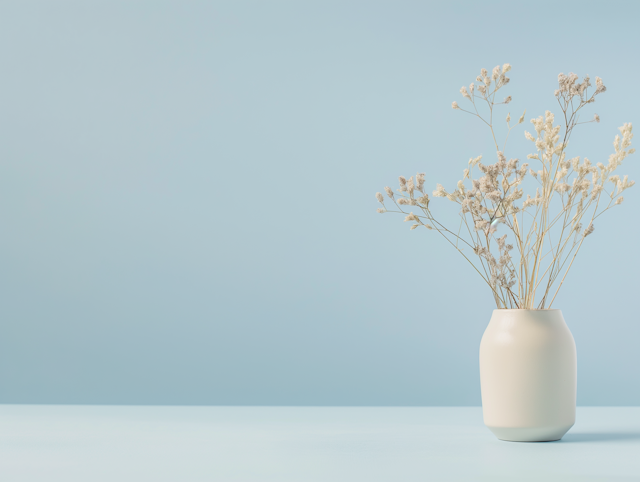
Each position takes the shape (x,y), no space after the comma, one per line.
(528,375)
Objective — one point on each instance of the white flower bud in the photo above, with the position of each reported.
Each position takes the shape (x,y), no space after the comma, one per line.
(589,230)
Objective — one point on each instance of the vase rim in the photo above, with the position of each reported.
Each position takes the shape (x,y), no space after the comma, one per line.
(524,309)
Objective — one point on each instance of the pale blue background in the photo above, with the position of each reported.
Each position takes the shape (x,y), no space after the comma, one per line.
(187,205)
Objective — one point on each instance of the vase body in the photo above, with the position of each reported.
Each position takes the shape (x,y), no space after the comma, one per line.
(528,375)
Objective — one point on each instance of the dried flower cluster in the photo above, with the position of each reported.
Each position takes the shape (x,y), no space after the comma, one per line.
(546,229)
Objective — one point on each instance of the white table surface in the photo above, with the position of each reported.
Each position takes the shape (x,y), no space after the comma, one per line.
(69,443)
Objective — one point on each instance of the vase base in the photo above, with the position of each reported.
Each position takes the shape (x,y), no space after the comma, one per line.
(530,434)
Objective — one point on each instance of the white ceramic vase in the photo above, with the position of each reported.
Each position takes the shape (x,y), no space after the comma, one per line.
(528,375)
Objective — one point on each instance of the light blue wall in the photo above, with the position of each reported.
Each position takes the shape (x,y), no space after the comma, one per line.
(187,210)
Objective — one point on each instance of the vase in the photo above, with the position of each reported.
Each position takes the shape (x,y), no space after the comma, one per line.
(528,375)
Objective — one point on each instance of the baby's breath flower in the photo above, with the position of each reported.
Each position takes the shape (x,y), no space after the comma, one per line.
(379,198)
(528,202)
(380,210)
(625,184)
(414,226)
(619,200)
(506,68)
(576,227)
(575,163)
(523,170)
(481,224)
(411,217)
(473,162)
(403,201)
(521,120)
(454,105)
(507,100)
(463,91)
(410,185)
(620,146)
(389,192)
(508,117)
(588,231)
(596,117)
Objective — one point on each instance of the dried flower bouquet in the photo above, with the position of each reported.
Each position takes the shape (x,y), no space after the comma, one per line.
(548,228)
